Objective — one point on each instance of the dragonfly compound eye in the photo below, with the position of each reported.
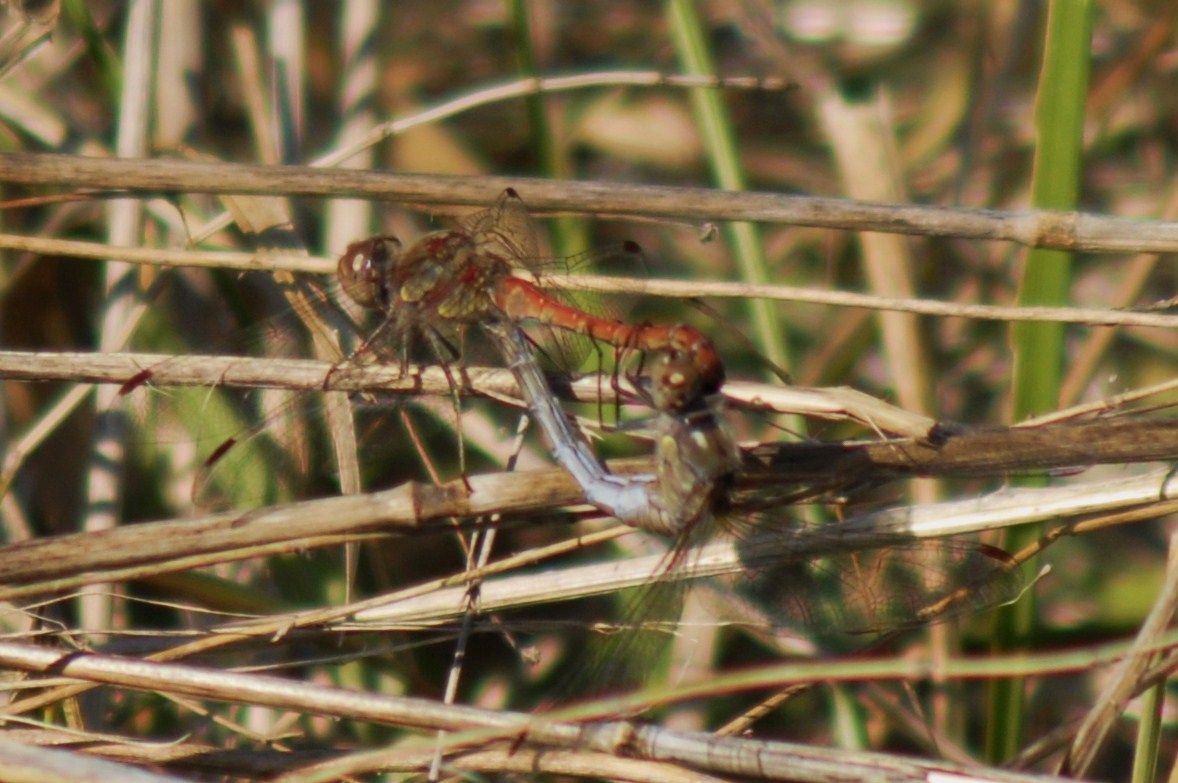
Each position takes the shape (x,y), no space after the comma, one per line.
(365,270)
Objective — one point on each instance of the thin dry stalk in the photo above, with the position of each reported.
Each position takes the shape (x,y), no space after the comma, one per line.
(1074,231)
(615,284)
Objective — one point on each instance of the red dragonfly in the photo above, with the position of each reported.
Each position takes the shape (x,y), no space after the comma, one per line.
(467,275)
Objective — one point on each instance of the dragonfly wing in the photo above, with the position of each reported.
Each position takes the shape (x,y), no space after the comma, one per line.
(506,230)
(880,588)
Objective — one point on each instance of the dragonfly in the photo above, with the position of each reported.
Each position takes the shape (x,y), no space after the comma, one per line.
(468,275)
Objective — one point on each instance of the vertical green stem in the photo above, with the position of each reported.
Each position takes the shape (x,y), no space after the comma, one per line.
(1039,347)
(1149,734)
(720,143)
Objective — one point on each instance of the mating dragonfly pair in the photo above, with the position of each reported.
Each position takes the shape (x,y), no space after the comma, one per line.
(470,275)
(467,276)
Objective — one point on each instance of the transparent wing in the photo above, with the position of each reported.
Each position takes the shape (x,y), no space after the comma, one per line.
(876,589)
(506,230)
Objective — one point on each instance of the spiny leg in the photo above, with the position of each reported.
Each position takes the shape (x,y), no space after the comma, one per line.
(615,379)
(600,391)
(637,380)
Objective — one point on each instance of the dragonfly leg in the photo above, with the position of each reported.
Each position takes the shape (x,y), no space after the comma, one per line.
(441,347)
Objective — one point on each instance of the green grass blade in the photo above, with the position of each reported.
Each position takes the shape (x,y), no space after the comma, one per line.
(1039,347)
(720,144)
(1149,735)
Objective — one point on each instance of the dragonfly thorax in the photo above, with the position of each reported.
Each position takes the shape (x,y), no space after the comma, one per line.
(453,275)
(695,457)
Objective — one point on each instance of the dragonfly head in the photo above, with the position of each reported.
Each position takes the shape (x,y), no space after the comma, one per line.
(365,271)
(678,380)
